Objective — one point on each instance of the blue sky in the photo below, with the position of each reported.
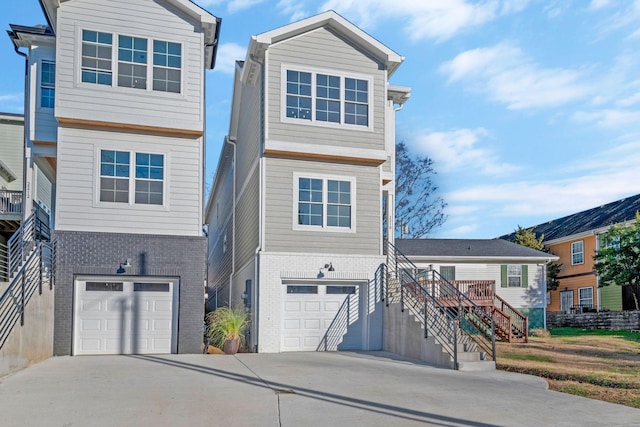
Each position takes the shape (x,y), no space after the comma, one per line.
(530,109)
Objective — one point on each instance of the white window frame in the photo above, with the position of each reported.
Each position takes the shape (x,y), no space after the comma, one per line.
(509,275)
(115,47)
(325,179)
(575,252)
(132,180)
(331,72)
(43,86)
(580,299)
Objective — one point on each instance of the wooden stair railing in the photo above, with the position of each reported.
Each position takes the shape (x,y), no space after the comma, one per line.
(519,328)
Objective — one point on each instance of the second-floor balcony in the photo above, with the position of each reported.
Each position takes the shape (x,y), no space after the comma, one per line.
(10,210)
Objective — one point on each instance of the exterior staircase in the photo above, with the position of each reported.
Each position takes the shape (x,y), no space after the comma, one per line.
(26,268)
(454,331)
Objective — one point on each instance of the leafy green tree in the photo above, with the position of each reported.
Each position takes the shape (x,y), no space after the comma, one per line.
(618,260)
(527,237)
(417,205)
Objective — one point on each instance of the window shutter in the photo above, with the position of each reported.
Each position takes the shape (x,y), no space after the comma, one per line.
(503,276)
(525,276)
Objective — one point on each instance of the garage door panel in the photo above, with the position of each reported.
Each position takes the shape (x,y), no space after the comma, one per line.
(320,320)
(292,306)
(127,321)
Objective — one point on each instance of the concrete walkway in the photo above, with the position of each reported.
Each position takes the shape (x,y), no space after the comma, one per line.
(290,389)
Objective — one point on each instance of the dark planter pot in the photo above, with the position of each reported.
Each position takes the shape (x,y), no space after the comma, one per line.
(231,346)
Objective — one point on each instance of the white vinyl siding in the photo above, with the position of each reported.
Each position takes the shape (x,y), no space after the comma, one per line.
(312,52)
(151,21)
(577,252)
(78,207)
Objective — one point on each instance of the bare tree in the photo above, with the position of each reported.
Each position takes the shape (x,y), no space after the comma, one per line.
(417,205)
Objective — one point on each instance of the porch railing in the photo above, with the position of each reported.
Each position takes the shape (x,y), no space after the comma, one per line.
(10,202)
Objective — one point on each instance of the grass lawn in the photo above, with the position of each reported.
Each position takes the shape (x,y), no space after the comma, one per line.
(599,364)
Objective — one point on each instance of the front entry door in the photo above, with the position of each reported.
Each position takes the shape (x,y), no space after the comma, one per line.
(566,301)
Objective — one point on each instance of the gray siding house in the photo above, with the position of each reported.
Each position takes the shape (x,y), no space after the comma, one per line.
(115,112)
(295,214)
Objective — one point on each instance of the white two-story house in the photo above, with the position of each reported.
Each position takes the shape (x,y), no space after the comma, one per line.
(115,117)
(295,214)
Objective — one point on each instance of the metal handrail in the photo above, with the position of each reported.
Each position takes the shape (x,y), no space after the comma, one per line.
(455,317)
(11,202)
(4,263)
(23,241)
(32,275)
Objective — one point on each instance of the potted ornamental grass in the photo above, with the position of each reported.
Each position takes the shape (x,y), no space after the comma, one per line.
(226,327)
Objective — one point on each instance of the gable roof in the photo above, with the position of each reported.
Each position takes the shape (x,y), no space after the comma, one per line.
(469,250)
(210,24)
(333,20)
(23,36)
(592,220)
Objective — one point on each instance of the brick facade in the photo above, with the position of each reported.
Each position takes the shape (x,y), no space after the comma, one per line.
(100,254)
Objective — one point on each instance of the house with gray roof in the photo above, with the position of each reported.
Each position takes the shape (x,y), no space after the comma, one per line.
(515,274)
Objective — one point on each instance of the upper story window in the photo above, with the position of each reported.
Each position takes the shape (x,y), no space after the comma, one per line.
(577,252)
(116,179)
(132,62)
(139,61)
(149,178)
(167,64)
(47,84)
(326,98)
(96,57)
(324,203)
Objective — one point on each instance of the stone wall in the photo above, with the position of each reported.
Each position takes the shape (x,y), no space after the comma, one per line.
(612,320)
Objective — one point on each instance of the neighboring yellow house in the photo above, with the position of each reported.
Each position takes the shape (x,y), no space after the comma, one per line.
(575,239)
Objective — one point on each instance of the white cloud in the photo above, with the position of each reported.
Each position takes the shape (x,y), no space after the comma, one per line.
(433,19)
(460,149)
(232,5)
(463,230)
(228,54)
(607,176)
(296,9)
(11,102)
(508,76)
(623,17)
(600,4)
(610,118)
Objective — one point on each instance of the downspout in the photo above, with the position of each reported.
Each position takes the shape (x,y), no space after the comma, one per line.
(233,223)
(544,309)
(25,131)
(260,200)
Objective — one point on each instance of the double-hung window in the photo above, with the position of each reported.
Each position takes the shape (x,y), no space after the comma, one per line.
(167,65)
(577,252)
(320,97)
(132,62)
(324,203)
(585,297)
(96,57)
(514,276)
(117,182)
(114,176)
(47,84)
(149,178)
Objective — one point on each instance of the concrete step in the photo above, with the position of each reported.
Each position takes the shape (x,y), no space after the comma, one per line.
(480,366)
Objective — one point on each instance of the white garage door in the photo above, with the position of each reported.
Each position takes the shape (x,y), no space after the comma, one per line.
(119,317)
(321,318)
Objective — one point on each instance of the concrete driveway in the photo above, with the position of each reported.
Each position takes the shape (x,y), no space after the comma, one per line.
(289,389)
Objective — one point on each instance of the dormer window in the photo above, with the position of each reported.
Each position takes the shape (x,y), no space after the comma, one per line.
(325,97)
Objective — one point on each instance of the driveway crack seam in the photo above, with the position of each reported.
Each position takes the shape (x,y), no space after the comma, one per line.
(266,384)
